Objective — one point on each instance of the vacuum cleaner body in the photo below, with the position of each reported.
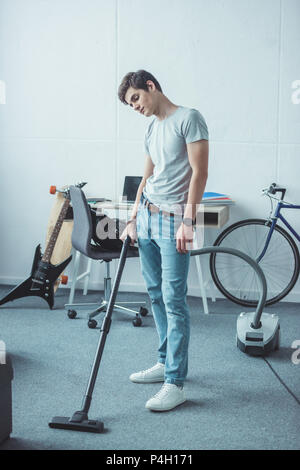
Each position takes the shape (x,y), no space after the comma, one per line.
(258,341)
(257,332)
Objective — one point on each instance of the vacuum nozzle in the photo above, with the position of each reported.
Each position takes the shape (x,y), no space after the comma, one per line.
(78,422)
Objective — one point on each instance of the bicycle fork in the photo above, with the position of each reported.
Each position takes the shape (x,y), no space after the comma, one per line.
(274,221)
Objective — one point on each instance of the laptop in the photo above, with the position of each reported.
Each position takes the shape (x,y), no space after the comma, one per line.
(131,184)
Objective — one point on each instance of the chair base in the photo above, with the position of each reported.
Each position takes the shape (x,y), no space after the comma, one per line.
(102,305)
(99,308)
(137,321)
(117,308)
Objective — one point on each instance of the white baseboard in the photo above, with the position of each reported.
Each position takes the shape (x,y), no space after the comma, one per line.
(93,285)
(11,281)
(193,291)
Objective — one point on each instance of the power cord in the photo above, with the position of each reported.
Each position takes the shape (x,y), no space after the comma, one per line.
(281,381)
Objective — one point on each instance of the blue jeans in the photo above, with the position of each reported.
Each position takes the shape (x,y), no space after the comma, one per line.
(165,272)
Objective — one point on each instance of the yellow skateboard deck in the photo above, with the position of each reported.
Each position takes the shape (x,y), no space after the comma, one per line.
(63,245)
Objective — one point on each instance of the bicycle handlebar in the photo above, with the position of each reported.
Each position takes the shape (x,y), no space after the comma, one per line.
(273,189)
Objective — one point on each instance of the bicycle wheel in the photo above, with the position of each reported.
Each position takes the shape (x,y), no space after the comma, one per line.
(237,280)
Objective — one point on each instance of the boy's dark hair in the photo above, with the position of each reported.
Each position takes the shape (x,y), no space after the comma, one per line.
(137,80)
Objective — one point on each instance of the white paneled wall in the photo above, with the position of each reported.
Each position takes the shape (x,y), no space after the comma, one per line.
(62,61)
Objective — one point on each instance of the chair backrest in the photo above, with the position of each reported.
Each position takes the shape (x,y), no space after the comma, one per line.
(83,230)
(83,227)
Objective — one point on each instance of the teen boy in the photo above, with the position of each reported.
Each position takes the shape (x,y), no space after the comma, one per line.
(175,174)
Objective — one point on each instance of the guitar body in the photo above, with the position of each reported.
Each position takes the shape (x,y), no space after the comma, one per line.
(41,281)
(46,269)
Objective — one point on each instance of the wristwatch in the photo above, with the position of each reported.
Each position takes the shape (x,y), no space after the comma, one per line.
(187,221)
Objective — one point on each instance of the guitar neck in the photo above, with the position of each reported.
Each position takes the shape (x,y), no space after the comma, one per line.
(50,246)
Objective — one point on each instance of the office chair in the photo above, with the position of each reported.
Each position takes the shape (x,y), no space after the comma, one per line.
(82,242)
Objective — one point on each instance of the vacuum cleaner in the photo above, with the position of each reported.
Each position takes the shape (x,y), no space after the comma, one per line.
(80,420)
(257,332)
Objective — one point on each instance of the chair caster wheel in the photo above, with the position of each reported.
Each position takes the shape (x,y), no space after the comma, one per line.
(72,314)
(92,323)
(137,321)
(143,311)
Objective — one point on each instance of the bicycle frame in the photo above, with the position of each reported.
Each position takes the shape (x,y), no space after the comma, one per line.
(277,215)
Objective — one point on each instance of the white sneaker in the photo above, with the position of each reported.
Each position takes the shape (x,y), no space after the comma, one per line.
(154,374)
(168,397)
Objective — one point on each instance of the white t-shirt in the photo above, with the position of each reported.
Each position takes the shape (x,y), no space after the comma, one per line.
(165,143)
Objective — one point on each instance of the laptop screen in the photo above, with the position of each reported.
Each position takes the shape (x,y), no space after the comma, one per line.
(131,184)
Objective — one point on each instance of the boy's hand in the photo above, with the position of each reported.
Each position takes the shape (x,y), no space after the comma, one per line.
(130,230)
(184,238)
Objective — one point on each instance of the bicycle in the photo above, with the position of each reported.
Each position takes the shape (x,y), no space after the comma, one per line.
(267,243)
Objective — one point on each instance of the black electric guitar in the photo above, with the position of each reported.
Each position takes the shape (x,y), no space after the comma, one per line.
(43,275)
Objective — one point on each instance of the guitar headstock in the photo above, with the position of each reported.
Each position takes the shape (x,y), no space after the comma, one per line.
(66,189)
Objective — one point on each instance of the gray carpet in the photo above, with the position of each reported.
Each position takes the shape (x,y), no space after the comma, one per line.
(234,401)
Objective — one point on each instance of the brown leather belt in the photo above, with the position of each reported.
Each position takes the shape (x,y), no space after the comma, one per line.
(152,208)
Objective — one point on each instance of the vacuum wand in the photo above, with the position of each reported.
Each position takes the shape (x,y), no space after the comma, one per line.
(80,421)
(105,327)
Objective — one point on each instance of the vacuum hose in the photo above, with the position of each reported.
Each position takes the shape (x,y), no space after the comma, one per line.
(263,283)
